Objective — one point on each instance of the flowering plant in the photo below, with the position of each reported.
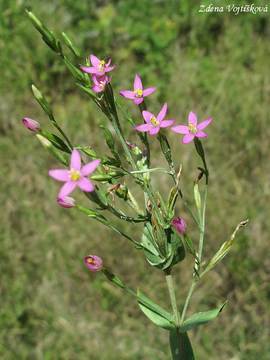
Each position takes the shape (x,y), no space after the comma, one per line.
(165,240)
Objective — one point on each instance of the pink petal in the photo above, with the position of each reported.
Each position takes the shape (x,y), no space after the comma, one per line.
(85,185)
(149,91)
(166,123)
(192,118)
(127,94)
(204,124)
(94,60)
(109,68)
(97,89)
(75,160)
(143,127)
(137,83)
(162,113)
(59,174)
(147,116)
(67,188)
(201,134)
(89,69)
(188,138)
(90,167)
(108,62)
(154,130)
(180,129)
(138,101)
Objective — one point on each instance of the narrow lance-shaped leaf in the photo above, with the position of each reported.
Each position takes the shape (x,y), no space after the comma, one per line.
(201,318)
(47,35)
(224,249)
(56,141)
(42,102)
(70,45)
(154,312)
(197,197)
(56,153)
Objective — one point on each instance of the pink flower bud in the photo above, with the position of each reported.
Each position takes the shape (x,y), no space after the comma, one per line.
(66,202)
(180,225)
(94,263)
(31,124)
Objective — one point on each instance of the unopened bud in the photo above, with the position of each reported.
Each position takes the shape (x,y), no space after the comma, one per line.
(31,124)
(180,225)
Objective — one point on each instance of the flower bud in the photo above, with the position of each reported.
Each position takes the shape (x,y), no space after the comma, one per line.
(31,124)
(66,202)
(94,263)
(180,225)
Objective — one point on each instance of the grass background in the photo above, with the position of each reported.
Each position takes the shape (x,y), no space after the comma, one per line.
(214,64)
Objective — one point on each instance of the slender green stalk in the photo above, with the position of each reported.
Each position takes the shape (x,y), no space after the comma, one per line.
(190,292)
(170,285)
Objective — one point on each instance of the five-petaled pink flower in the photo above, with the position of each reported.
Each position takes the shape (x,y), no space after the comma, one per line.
(99,67)
(75,176)
(93,262)
(100,82)
(153,124)
(139,92)
(193,129)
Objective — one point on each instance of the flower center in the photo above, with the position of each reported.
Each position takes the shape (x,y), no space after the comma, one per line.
(154,121)
(74,175)
(138,93)
(90,260)
(192,128)
(101,65)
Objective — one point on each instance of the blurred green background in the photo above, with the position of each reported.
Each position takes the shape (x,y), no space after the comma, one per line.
(214,64)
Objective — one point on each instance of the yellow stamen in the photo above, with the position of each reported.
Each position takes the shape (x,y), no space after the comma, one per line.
(192,128)
(154,121)
(101,65)
(90,260)
(138,93)
(74,175)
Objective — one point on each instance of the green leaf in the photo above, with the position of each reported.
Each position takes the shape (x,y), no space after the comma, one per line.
(176,250)
(154,312)
(201,318)
(197,197)
(76,73)
(224,249)
(47,35)
(70,45)
(181,348)
(42,102)
(56,141)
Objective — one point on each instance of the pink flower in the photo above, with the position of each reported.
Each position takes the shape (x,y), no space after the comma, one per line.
(138,94)
(94,263)
(193,129)
(153,124)
(75,176)
(100,82)
(99,67)
(66,202)
(31,124)
(179,224)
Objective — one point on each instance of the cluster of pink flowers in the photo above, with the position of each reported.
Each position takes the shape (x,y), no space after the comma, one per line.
(77,174)
(98,70)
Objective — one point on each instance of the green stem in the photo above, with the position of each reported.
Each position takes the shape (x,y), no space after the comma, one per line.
(170,285)
(190,292)
(181,348)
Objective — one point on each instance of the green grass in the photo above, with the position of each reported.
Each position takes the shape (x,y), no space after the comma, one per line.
(51,307)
